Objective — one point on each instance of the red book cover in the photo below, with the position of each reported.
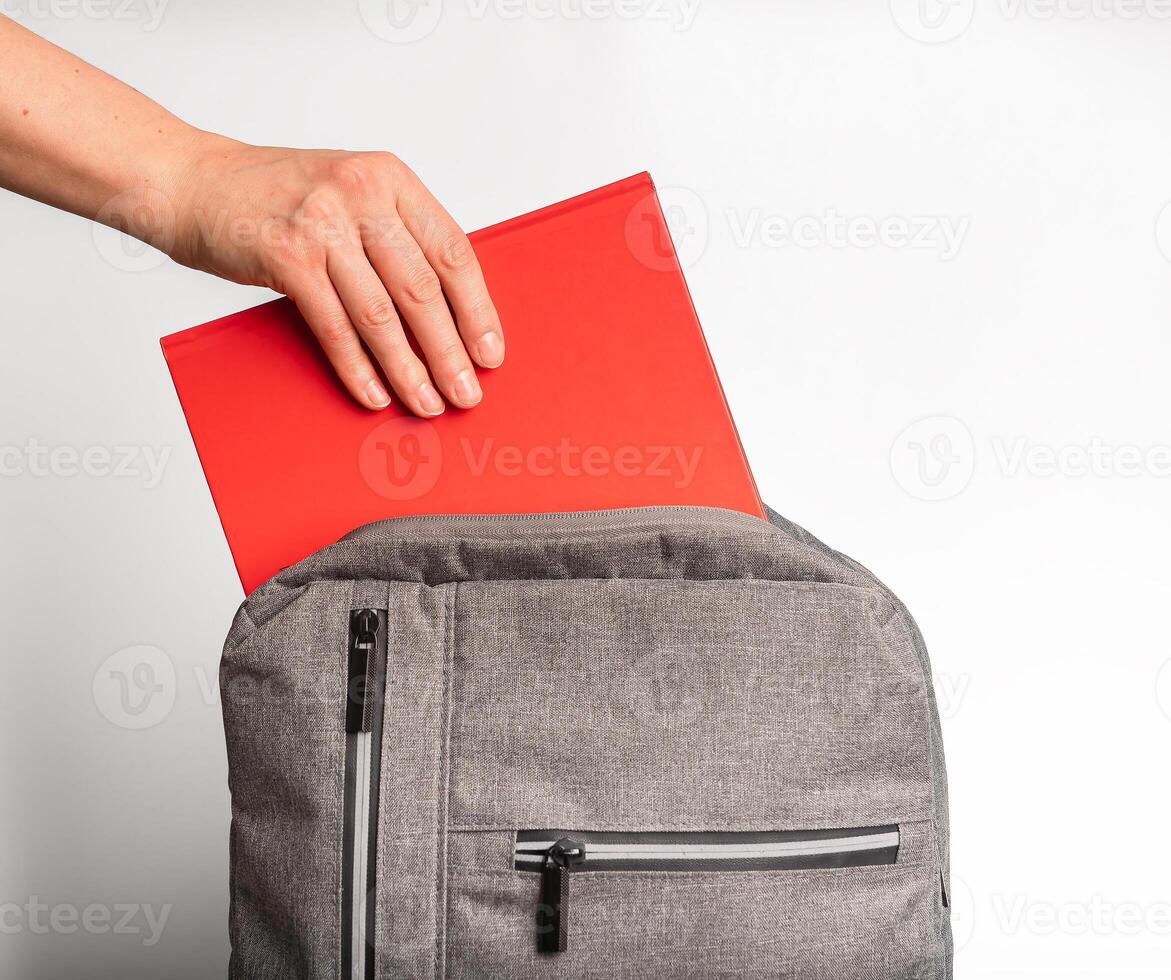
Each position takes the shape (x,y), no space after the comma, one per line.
(607,398)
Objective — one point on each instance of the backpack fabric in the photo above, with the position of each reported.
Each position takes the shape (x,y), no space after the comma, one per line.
(669,742)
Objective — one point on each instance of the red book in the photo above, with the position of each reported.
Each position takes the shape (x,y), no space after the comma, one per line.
(607,398)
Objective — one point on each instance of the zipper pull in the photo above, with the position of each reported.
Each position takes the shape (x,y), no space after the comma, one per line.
(553,914)
(363,641)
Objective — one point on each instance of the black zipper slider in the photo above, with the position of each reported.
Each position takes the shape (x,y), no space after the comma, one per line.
(363,641)
(553,914)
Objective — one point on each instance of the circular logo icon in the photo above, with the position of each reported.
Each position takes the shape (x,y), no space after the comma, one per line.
(934,458)
(963,912)
(401,459)
(146,211)
(672,688)
(1163,231)
(681,233)
(672,685)
(135,687)
(400,21)
(932,21)
(1163,688)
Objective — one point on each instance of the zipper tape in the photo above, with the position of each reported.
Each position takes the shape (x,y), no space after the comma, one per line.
(365,686)
(726,851)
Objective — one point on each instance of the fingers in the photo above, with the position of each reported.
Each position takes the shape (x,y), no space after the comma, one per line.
(418,293)
(450,254)
(327,318)
(405,257)
(371,311)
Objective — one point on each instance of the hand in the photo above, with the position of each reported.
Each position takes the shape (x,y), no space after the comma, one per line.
(361,246)
(355,239)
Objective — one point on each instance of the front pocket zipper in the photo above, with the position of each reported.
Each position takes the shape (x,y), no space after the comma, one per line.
(365,685)
(558,853)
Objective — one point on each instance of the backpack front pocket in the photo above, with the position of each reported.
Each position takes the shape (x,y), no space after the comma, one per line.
(687,779)
(857,902)
(558,854)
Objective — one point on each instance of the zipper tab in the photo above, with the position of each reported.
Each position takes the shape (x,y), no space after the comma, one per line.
(363,641)
(553,914)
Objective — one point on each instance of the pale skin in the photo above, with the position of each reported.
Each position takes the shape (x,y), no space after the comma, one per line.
(353,238)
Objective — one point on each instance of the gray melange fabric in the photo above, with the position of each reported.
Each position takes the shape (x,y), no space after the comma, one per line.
(684,669)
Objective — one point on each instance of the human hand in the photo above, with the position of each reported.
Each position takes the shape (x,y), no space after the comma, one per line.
(362,248)
(354,238)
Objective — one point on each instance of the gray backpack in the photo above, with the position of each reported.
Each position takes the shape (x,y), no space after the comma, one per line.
(670,742)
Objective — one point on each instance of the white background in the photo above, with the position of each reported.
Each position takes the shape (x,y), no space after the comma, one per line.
(1037,350)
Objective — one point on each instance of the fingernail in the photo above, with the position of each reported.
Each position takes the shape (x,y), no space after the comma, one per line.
(377,394)
(490,349)
(429,399)
(467,388)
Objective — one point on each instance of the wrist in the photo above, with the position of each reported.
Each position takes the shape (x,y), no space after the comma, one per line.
(142,192)
(191,183)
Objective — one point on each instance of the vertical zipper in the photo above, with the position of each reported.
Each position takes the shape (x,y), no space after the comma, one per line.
(365,686)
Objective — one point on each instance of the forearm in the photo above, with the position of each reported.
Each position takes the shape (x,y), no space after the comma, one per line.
(355,239)
(76,138)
